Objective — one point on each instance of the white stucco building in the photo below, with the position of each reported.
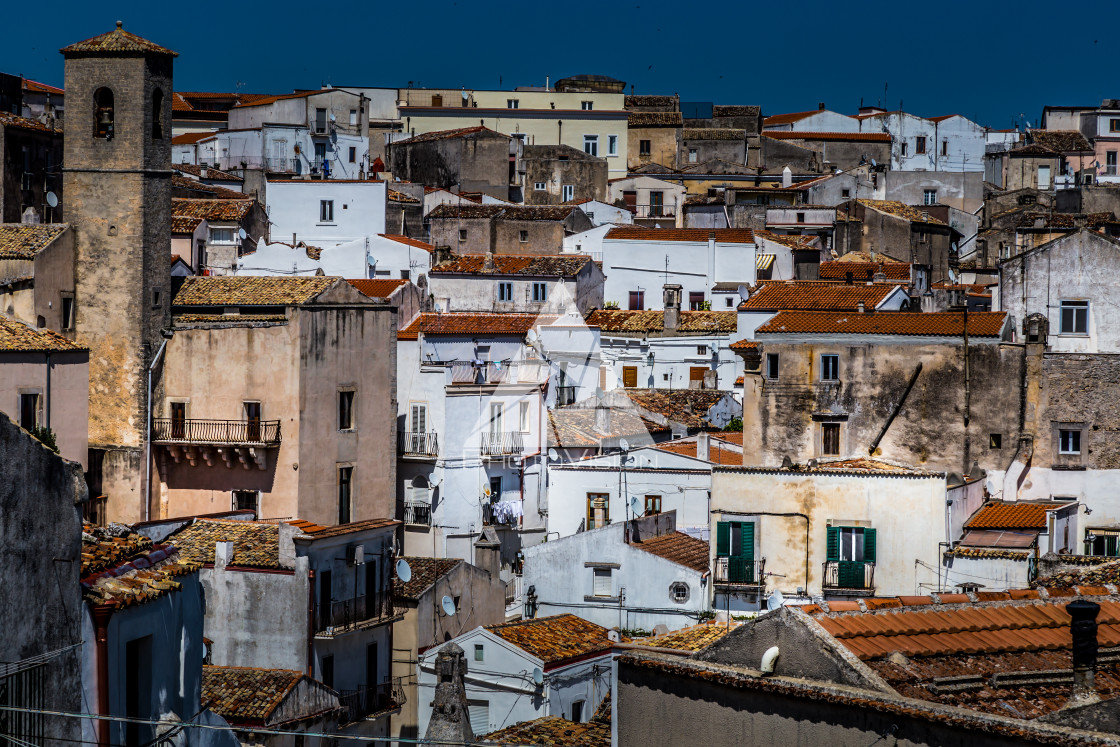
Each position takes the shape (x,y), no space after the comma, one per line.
(325,213)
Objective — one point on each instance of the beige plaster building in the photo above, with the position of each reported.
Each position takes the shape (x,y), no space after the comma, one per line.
(280,397)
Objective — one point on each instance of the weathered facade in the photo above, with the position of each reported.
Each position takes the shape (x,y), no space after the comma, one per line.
(30,159)
(555,174)
(505,229)
(117,181)
(653,124)
(898,230)
(472,159)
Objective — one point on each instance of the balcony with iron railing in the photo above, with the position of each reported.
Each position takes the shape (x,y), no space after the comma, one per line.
(418,512)
(506,443)
(849,576)
(739,572)
(216,432)
(654,211)
(372,702)
(347,615)
(416,444)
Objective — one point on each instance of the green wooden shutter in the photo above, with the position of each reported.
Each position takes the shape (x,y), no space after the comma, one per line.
(869,545)
(723,539)
(833,552)
(747,550)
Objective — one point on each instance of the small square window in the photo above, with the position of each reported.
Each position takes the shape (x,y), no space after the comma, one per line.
(512,103)
(538,186)
(701,349)
(929,197)
(772,366)
(1069,442)
(995,441)
(830,368)
(1074,317)
(603,586)
(845,193)
(586,105)
(462,234)
(523,237)
(730,302)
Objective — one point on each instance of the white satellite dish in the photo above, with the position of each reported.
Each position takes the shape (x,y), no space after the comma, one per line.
(775,600)
(873,164)
(634,506)
(465,96)
(531,336)
(438,309)
(952,276)
(990,486)
(538,676)
(52,199)
(623,444)
(553,455)
(598,392)
(744,292)
(404,571)
(241,234)
(448,605)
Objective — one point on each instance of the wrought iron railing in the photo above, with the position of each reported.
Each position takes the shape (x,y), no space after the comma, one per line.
(501,444)
(418,444)
(849,574)
(733,571)
(417,512)
(654,211)
(369,702)
(172,430)
(341,615)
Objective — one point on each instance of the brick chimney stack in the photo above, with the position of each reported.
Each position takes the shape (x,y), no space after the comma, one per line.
(1083,628)
(672,297)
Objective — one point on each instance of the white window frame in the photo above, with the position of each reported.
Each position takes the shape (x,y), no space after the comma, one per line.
(496,414)
(587,105)
(692,155)
(538,186)
(850,542)
(602,582)
(591,145)
(830,367)
(929,197)
(513,103)
(1075,306)
(567,192)
(523,416)
(612,145)
(1069,449)
(326,211)
(221,235)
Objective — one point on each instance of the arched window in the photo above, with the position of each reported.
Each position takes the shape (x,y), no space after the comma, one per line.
(157,114)
(103,113)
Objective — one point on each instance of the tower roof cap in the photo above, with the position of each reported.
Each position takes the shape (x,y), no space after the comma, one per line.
(116,42)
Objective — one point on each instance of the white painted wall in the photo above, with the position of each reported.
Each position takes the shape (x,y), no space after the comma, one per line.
(294,208)
(673,357)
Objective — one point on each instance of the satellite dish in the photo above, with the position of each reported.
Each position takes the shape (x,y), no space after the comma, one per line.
(531,336)
(990,486)
(743,292)
(404,571)
(448,605)
(538,676)
(438,309)
(553,455)
(775,600)
(52,199)
(465,96)
(623,444)
(634,506)
(952,276)
(241,234)
(873,164)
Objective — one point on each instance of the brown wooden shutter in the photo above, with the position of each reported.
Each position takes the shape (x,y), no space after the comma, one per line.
(629,376)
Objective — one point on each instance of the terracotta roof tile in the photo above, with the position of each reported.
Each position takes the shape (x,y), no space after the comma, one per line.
(556,638)
(460,132)
(654,119)
(1061,141)
(125,571)
(689,407)
(716,453)
(15,336)
(256,544)
(213,209)
(425,572)
(117,41)
(317,531)
(246,695)
(394,196)
(864,270)
(229,290)
(692,638)
(550,265)
(1010,515)
(744,345)
(863,137)
(246,100)
(575,427)
(189,138)
(184,224)
(198,190)
(1105,571)
(37,87)
(211,173)
(406,240)
(936,324)
(722,235)
(679,548)
(25,240)
(793,295)
(378,287)
(790,118)
(7,119)
(466,323)
(901,210)
(502,212)
(553,731)
(691,322)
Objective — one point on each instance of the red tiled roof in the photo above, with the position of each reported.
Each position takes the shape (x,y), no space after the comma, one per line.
(722,235)
(318,531)
(212,210)
(933,324)
(716,453)
(744,345)
(688,407)
(468,323)
(263,99)
(8,119)
(810,295)
(188,138)
(864,270)
(125,571)
(555,639)
(865,137)
(212,174)
(15,336)
(449,210)
(679,548)
(36,87)
(691,322)
(549,265)
(376,287)
(247,695)
(901,210)
(428,137)
(26,240)
(692,638)
(789,118)
(184,224)
(425,572)
(406,240)
(196,189)
(117,41)
(1010,515)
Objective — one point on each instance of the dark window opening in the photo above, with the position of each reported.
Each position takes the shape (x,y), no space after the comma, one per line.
(830,439)
(772,365)
(696,300)
(138,689)
(328,671)
(653,505)
(345,478)
(179,420)
(157,114)
(644,147)
(245,500)
(995,441)
(345,410)
(28,411)
(103,113)
(67,313)
(637,300)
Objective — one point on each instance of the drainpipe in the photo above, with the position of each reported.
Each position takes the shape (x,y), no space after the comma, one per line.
(148,440)
(311,609)
(967,393)
(47,405)
(101,615)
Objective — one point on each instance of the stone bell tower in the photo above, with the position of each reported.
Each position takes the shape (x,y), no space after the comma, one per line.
(117,182)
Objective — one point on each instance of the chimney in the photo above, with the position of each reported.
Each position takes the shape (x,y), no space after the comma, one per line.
(443,254)
(787,177)
(450,720)
(1083,628)
(488,261)
(603,419)
(223,554)
(672,298)
(703,446)
(488,552)
(862,308)
(820,107)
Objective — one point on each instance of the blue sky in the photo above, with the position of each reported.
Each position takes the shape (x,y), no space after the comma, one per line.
(992,62)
